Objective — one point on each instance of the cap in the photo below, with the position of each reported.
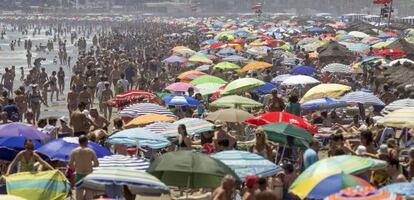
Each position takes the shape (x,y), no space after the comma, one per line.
(250,181)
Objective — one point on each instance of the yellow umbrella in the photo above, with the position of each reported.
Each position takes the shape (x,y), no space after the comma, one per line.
(148,119)
(10,197)
(177,48)
(189,73)
(201,59)
(399,118)
(254,65)
(254,44)
(325,90)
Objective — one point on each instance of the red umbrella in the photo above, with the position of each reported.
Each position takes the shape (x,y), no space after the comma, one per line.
(392,53)
(217,45)
(277,117)
(132,96)
(238,41)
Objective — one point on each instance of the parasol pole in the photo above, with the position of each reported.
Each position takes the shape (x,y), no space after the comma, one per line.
(283,154)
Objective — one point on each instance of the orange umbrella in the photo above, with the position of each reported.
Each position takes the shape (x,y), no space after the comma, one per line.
(254,65)
(148,119)
(190,75)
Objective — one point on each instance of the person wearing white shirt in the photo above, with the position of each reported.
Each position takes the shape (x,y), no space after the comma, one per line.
(123,82)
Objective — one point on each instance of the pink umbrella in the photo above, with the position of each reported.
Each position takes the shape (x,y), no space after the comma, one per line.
(180,87)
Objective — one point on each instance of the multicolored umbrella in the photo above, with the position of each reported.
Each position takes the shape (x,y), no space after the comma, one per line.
(229,115)
(399,118)
(180,100)
(131,97)
(325,90)
(241,85)
(300,80)
(22,129)
(157,127)
(123,162)
(193,126)
(139,137)
(148,119)
(207,79)
(244,163)
(235,101)
(404,189)
(226,66)
(363,193)
(190,75)
(398,104)
(337,68)
(323,104)
(333,165)
(323,186)
(365,98)
(255,65)
(303,70)
(281,132)
(179,87)
(139,109)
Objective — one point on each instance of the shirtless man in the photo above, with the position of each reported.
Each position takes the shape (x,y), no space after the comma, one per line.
(83,160)
(77,81)
(79,122)
(43,77)
(100,121)
(107,94)
(7,80)
(115,75)
(226,190)
(61,80)
(53,86)
(85,97)
(72,99)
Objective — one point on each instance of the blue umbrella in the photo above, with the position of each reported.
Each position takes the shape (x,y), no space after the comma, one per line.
(363,98)
(10,146)
(241,32)
(267,89)
(203,68)
(403,189)
(139,137)
(244,163)
(315,29)
(303,70)
(226,52)
(60,149)
(180,100)
(174,59)
(209,41)
(323,103)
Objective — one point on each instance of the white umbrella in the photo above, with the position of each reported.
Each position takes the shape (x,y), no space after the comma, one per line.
(365,98)
(399,104)
(300,80)
(280,78)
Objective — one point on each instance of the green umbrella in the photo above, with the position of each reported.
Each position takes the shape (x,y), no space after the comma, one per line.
(280,132)
(242,85)
(161,95)
(189,169)
(235,101)
(226,66)
(207,79)
(208,88)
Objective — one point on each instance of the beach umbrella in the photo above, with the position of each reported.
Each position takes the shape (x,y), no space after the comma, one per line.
(316,29)
(356,47)
(22,129)
(303,70)
(307,40)
(255,65)
(229,115)
(365,98)
(267,88)
(132,96)
(323,104)
(179,87)
(393,53)
(190,75)
(40,185)
(280,78)
(245,164)
(189,169)
(226,52)
(180,100)
(139,137)
(157,127)
(323,186)
(207,79)
(235,101)
(235,58)
(10,197)
(203,68)
(137,182)
(337,68)
(139,109)
(398,104)
(358,34)
(401,61)
(226,66)
(200,59)
(325,90)
(174,59)
(61,149)
(10,146)
(363,192)
(217,45)
(300,80)
(193,126)
(148,119)
(282,132)
(241,85)
(208,88)
(333,165)
(123,162)
(399,118)
(281,117)
(185,52)
(404,189)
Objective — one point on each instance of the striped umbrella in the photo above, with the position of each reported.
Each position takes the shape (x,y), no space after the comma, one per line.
(322,104)
(363,193)
(399,118)
(180,100)
(193,125)
(399,104)
(137,182)
(244,163)
(140,137)
(157,127)
(139,109)
(365,98)
(337,68)
(124,162)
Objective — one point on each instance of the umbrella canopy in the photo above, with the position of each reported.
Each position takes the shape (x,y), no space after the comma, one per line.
(148,119)
(192,73)
(337,68)
(235,101)
(179,87)
(180,100)
(200,59)
(157,127)
(203,68)
(193,126)
(300,80)
(61,149)
(281,132)
(10,146)
(303,70)
(241,85)
(255,65)
(139,137)
(365,98)
(226,66)
(10,197)
(324,186)
(403,189)
(333,165)
(207,79)
(132,96)
(281,78)
(267,89)
(137,182)
(278,117)
(235,58)
(208,88)
(358,34)
(398,104)
(123,162)
(399,118)
(323,104)
(22,129)
(139,109)
(363,192)
(174,59)
(325,90)
(401,61)
(229,115)
(244,163)
(189,169)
